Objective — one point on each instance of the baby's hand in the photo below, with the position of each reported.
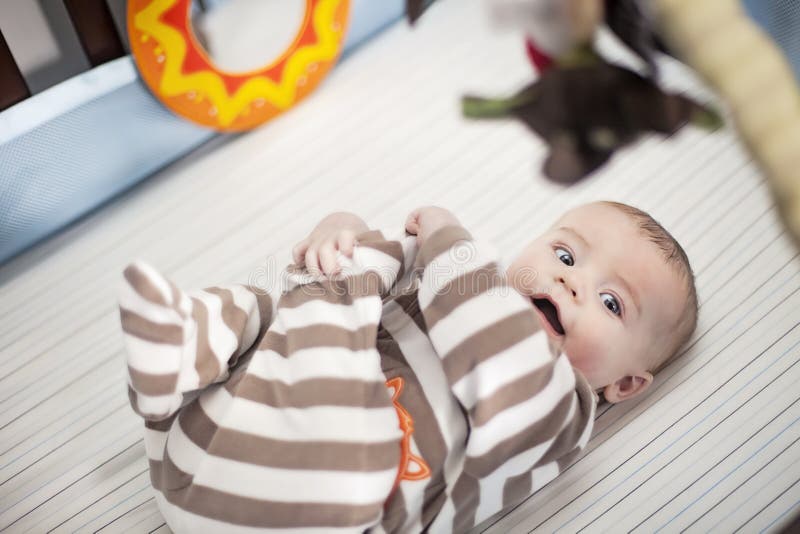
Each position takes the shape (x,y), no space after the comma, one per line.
(424,221)
(335,232)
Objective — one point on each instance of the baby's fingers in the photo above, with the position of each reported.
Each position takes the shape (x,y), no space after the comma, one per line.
(345,242)
(299,251)
(412,222)
(312,260)
(327,257)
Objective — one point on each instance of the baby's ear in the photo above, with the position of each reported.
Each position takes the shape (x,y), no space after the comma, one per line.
(627,387)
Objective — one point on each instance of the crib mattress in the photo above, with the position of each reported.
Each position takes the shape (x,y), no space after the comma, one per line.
(713,445)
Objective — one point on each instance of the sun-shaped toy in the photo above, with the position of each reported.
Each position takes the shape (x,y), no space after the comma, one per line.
(178,70)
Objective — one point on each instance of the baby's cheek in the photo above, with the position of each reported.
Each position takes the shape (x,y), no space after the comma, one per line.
(584,351)
(578,356)
(523,278)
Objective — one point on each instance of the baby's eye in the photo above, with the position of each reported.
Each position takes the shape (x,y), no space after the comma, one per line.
(565,257)
(610,302)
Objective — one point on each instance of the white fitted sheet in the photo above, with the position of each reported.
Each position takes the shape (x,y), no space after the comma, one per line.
(712,446)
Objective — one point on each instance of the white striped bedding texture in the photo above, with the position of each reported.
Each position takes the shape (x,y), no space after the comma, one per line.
(712,446)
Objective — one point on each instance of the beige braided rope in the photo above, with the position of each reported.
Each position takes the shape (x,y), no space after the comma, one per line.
(718,40)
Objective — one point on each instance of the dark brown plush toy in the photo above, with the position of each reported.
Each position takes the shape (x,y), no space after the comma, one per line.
(584,107)
(586,112)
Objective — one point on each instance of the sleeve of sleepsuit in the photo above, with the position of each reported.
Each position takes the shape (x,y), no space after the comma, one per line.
(521,401)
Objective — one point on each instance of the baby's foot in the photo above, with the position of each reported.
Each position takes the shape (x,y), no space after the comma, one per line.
(155,316)
(154,297)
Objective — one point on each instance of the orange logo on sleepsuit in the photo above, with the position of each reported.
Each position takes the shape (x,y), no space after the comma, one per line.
(407,458)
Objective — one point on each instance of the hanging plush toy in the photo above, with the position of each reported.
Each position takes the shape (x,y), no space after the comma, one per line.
(587,109)
(716,38)
(582,106)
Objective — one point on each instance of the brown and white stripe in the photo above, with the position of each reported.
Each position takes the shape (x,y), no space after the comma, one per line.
(443,429)
(258,423)
(521,401)
(177,342)
(301,434)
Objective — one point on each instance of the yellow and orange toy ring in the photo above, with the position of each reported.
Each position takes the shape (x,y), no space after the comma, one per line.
(178,70)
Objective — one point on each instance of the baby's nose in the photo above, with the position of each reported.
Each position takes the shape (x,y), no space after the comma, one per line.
(569,286)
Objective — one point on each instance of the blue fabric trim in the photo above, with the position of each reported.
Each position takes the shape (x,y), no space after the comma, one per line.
(68,150)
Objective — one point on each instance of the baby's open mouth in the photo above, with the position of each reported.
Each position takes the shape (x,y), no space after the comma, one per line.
(550,311)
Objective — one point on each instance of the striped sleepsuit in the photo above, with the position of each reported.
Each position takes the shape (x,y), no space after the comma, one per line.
(416,392)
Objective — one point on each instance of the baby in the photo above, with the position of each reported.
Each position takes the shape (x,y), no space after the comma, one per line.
(613,289)
(398,385)
(617,292)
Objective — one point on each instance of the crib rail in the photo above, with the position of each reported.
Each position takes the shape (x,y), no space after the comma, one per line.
(95,28)
(12,85)
(91,25)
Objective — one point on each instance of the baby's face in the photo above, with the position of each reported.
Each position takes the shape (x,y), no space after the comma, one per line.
(603,292)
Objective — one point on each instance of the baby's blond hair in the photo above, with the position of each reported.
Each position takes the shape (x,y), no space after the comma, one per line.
(676,257)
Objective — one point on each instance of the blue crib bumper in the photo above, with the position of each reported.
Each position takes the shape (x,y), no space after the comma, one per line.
(71,148)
